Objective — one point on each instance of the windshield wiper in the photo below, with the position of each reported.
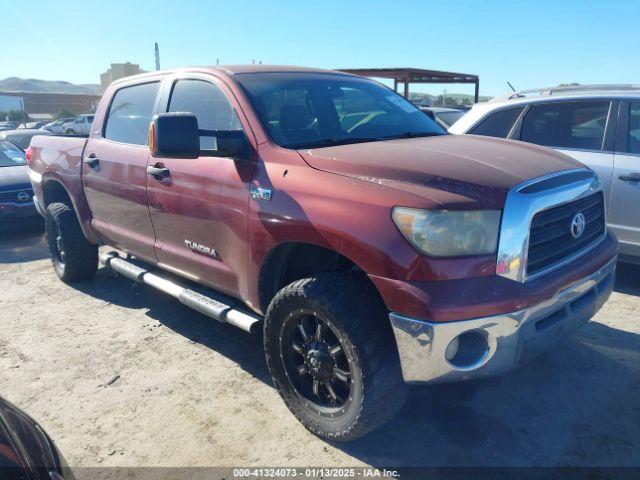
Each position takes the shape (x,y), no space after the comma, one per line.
(413,135)
(332,142)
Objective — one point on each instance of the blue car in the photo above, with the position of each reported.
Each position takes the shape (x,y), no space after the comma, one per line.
(16,194)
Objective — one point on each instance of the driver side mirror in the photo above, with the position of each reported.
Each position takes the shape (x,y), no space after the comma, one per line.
(177,135)
(174,135)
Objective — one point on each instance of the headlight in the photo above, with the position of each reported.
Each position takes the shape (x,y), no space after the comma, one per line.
(447,233)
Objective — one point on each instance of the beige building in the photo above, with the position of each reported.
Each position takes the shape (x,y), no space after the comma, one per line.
(118,70)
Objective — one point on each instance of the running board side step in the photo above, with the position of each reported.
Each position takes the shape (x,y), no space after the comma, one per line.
(222,309)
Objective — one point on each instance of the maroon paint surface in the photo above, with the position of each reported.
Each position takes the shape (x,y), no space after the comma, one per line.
(339,198)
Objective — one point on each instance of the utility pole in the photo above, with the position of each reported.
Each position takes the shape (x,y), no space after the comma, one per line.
(24,114)
(157,57)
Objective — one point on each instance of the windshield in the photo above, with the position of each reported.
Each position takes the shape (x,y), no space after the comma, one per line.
(10,155)
(305,110)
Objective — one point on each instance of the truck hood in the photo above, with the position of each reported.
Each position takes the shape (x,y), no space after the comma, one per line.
(453,171)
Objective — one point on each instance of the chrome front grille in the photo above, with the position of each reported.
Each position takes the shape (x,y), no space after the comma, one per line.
(551,239)
(535,233)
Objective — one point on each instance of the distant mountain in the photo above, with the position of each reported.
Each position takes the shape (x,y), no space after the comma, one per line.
(15,84)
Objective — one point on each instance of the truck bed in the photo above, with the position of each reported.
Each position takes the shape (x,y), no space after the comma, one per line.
(59,158)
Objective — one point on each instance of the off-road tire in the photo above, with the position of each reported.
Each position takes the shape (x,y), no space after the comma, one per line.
(80,260)
(354,309)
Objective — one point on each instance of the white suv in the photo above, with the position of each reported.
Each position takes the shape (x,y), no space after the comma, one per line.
(80,124)
(597,125)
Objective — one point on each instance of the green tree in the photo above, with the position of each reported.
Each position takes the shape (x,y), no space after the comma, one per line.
(14,116)
(66,113)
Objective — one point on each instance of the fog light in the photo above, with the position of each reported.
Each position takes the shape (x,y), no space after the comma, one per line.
(452,349)
(468,350)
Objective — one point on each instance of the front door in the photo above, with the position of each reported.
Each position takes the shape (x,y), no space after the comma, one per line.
(199,211)
(115,172)
(624,219)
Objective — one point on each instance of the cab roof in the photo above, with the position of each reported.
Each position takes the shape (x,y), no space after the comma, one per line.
(231,70)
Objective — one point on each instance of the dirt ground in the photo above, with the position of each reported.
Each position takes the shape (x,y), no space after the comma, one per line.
(120,375)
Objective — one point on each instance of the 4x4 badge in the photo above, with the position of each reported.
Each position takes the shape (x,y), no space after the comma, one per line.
(259,193)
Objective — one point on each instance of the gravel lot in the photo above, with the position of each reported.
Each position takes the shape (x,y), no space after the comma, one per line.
(119,375)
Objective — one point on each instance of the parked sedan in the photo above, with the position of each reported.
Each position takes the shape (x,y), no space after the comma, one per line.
(9,125)
(33,125)
(58,125)
(597,125)
(16,194)
(22,136)
(26,451)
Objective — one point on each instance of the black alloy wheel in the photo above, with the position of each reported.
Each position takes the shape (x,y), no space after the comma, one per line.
(314,360)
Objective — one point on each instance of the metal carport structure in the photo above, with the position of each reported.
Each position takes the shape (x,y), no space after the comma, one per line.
(409,75)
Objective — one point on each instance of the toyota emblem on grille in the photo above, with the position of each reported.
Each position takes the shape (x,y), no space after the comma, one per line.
(578,222)
(23,196)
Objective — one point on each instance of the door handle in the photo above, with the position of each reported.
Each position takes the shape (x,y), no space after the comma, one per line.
(633,177)
(158,172)
(91,160)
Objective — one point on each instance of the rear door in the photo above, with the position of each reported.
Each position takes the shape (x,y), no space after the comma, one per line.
(624,218)
(115,171)
(199,211)
(579,128)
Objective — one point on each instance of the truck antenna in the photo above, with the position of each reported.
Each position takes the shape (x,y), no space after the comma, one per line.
(511,86)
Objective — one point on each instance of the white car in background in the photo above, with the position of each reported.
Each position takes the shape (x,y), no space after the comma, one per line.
(81,124)
(597,125)
(57,126)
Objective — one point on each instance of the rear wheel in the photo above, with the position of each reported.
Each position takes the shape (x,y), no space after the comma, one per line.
(332,355)
(73,257)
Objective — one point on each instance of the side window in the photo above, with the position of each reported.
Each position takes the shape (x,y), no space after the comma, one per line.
(208,103)
(498,124)
(130,114)
(634,127)
(577,125)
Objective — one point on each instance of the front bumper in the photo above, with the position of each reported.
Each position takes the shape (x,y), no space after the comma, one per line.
(17,211)
(38,206)
(496,344)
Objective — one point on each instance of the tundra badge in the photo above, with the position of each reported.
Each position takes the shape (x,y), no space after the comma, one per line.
(196,247)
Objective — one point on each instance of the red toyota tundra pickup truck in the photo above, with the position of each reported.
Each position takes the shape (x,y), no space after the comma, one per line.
(374,249)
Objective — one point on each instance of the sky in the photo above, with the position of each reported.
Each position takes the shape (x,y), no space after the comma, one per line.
(528,43)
